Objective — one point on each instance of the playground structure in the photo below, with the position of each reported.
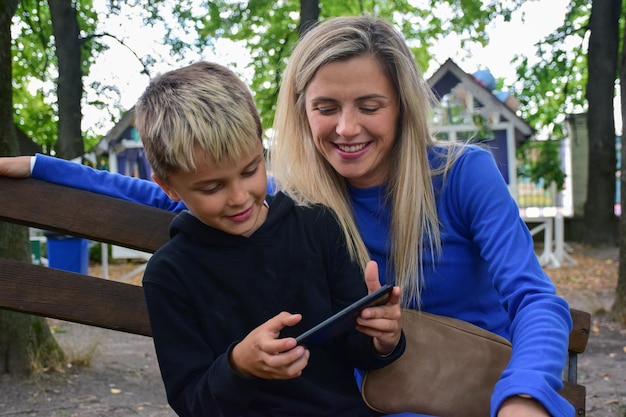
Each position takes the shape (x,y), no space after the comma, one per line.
(471,110)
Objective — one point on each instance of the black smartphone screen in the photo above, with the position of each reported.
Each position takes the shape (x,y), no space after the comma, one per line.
(344,320)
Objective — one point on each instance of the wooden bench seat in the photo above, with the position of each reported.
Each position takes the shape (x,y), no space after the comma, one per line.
(47,292)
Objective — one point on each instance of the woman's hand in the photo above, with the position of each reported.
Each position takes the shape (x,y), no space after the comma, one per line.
(15,166)
(263,355)
(518,406)
(383,322)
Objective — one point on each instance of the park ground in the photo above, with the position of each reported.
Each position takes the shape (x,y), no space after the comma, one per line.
(115,374)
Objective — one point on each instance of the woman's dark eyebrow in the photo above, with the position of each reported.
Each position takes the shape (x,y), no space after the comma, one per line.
(322,98)
(360,98)
(370,96)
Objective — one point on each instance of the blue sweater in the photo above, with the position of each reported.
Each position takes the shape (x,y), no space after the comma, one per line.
(487,274)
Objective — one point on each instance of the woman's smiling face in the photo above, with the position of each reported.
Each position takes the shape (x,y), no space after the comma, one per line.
(352,109)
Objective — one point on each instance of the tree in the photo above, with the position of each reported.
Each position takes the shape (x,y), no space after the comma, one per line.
(600,220)
(24,340)
(70,81)
(309,14)
(603,70)
(552,88)
(50,58)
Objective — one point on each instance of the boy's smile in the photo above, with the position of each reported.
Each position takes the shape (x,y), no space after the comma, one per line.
(228,196)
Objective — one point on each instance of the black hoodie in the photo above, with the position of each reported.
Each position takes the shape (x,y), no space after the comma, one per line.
(206,290)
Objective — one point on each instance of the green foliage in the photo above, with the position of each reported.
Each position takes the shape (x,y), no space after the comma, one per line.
(269,30)
(552,87)
(540,161)
(556,84)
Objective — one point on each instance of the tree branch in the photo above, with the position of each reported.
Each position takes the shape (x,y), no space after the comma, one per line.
(145,70)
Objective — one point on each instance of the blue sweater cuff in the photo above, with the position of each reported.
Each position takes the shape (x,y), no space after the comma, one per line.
(535,385)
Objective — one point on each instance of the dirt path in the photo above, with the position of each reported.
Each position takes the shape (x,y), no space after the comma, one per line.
(602,369)
(590,286)
(122,377)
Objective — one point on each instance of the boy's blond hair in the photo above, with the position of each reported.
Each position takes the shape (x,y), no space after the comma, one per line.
(203,107)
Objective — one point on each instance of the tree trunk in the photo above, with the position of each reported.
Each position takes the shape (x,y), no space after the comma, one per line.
(309,15)
(8,136)
(619,307)
(25,341)
(600,220)
(70,83)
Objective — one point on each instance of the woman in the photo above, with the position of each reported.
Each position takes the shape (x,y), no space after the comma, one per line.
(352,133)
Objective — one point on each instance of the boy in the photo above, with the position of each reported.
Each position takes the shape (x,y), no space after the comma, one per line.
(219,292)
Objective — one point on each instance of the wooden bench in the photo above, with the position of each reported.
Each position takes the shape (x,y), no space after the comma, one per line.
(69,296)
(66,295)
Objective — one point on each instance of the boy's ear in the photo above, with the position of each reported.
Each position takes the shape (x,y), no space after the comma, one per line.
(171,193)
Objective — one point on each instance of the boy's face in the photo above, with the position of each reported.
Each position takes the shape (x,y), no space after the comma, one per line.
(229,197)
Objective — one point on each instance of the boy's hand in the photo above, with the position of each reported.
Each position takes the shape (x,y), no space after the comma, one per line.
(263,355)
(15,166)
(383,323)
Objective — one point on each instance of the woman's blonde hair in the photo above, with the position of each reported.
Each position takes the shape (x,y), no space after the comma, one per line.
(303,173)
(203,107)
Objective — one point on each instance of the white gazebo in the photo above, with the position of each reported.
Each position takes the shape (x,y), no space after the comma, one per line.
(471,109)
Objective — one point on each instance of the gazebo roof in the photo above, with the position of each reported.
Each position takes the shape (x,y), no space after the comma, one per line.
(450,75)
(112,138)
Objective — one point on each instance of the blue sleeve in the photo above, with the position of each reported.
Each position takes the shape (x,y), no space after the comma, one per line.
(540,321)
(71,174)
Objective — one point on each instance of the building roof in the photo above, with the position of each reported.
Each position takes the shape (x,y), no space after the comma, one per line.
(450,76)
(113,139)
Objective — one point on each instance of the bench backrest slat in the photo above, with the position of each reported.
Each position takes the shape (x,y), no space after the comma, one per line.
(84,214)
(579,336)
(73,297)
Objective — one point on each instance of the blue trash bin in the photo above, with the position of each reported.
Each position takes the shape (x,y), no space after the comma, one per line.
(68,253)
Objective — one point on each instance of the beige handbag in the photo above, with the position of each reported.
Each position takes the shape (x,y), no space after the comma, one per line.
(449,369)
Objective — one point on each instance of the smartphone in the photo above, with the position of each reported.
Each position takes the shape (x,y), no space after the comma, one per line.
(344,320)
